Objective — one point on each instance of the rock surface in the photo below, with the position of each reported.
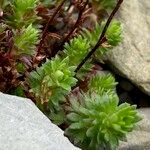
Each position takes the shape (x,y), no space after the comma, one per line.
(140,138)
(132,58)
(24,127)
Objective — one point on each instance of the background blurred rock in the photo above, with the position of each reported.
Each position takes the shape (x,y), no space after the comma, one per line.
(132,58)
(24,127)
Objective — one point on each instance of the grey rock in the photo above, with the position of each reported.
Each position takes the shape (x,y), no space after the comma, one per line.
(131,59)
(24,127)
(140,138)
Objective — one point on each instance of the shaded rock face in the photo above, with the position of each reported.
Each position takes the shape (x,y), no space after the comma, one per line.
(140,138)
(24,127)
(131,59)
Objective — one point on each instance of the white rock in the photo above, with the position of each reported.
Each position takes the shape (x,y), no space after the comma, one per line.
(24,127)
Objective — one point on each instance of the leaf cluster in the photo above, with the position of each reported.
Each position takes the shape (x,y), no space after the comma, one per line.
(22,13)
(113,36)
(26,40)
(96,119)
(20,21)
(76,49)
(101,84)
(52,81)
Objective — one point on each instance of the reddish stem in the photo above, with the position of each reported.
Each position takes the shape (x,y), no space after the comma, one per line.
(48,23)
(77,22)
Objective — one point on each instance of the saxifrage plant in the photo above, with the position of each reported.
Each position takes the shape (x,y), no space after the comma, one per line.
(97,121)
(57,71)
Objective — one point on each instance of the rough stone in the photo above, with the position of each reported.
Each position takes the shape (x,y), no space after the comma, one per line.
(24,127)
(140,138)
(131,59)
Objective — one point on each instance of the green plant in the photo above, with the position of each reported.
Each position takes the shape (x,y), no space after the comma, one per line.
(26,40)
(21,22)
(22,13)
(52,82)
(79,47)
(113,36)
(98,122)
(101,84)
(76,49)
(19,35)
(96,119)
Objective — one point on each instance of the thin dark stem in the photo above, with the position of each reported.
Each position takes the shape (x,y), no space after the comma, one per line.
(77,22)
(102,36)
(10,42)
(48,23)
